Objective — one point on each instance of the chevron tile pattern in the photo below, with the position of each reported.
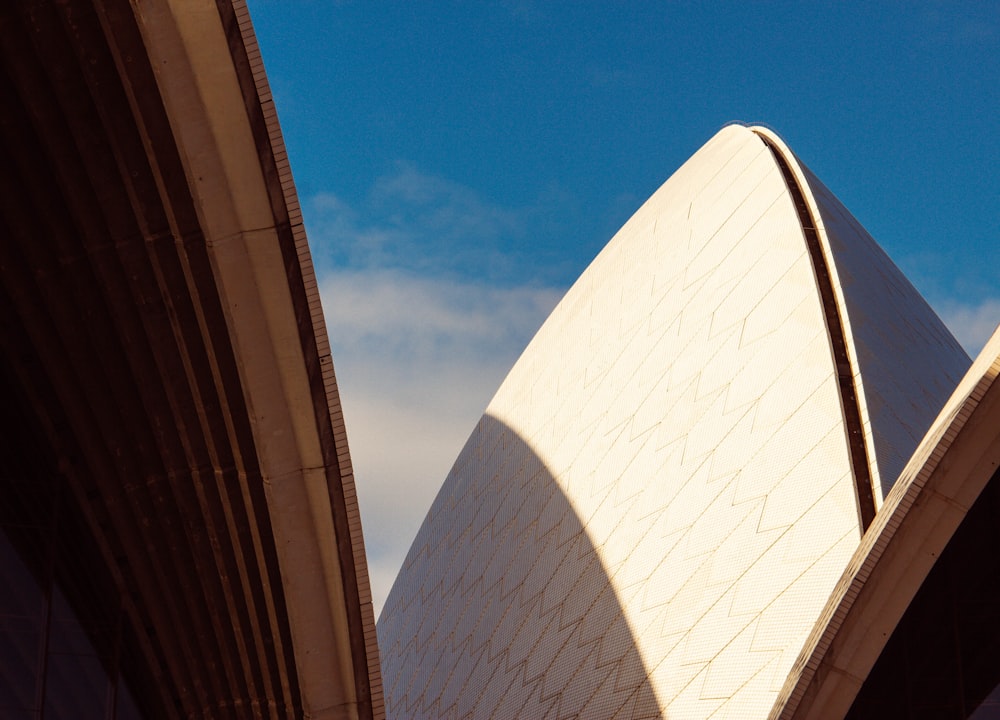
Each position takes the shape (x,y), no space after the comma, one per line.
(906,361)
(659,499)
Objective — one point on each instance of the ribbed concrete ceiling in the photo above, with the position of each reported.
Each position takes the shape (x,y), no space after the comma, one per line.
(117,343)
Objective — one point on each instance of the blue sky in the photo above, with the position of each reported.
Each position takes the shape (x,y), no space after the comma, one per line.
(459,165)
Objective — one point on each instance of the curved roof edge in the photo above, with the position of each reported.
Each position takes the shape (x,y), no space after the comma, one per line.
(349,510)
(649,396)
(854,407)
(948,470)
(254,231)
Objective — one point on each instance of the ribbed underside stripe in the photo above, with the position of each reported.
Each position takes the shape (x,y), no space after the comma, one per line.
(835,328)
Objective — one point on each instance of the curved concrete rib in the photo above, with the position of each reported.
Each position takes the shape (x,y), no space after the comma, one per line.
(951,466)
(840,342)
(164,338)
(903,362)
(263,271)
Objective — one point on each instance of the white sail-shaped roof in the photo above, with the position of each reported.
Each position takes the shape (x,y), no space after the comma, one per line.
(904,359)
(665,489)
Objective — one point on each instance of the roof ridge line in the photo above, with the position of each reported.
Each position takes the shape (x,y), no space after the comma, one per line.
(834,316)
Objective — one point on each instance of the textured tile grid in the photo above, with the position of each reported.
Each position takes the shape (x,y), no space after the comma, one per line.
(906,362)
(659,500)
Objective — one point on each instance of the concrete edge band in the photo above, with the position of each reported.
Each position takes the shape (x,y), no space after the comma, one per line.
(835,329)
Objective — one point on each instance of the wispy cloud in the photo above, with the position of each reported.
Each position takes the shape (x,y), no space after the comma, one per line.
(428,306)
(417,362)
(426,224)
(971,324)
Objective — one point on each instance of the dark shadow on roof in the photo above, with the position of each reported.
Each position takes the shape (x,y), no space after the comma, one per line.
(503,607)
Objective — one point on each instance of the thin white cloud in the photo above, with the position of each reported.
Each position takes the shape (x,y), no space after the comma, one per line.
(428,225)
(417,362)
(427,308)
(972,325)
(411,220)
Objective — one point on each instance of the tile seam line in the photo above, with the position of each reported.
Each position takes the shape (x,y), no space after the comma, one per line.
(847,374)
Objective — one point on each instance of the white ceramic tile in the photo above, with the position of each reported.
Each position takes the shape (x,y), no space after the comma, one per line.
(659,499)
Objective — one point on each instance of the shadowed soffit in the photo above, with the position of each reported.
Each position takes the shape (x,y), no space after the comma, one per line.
(162,321)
